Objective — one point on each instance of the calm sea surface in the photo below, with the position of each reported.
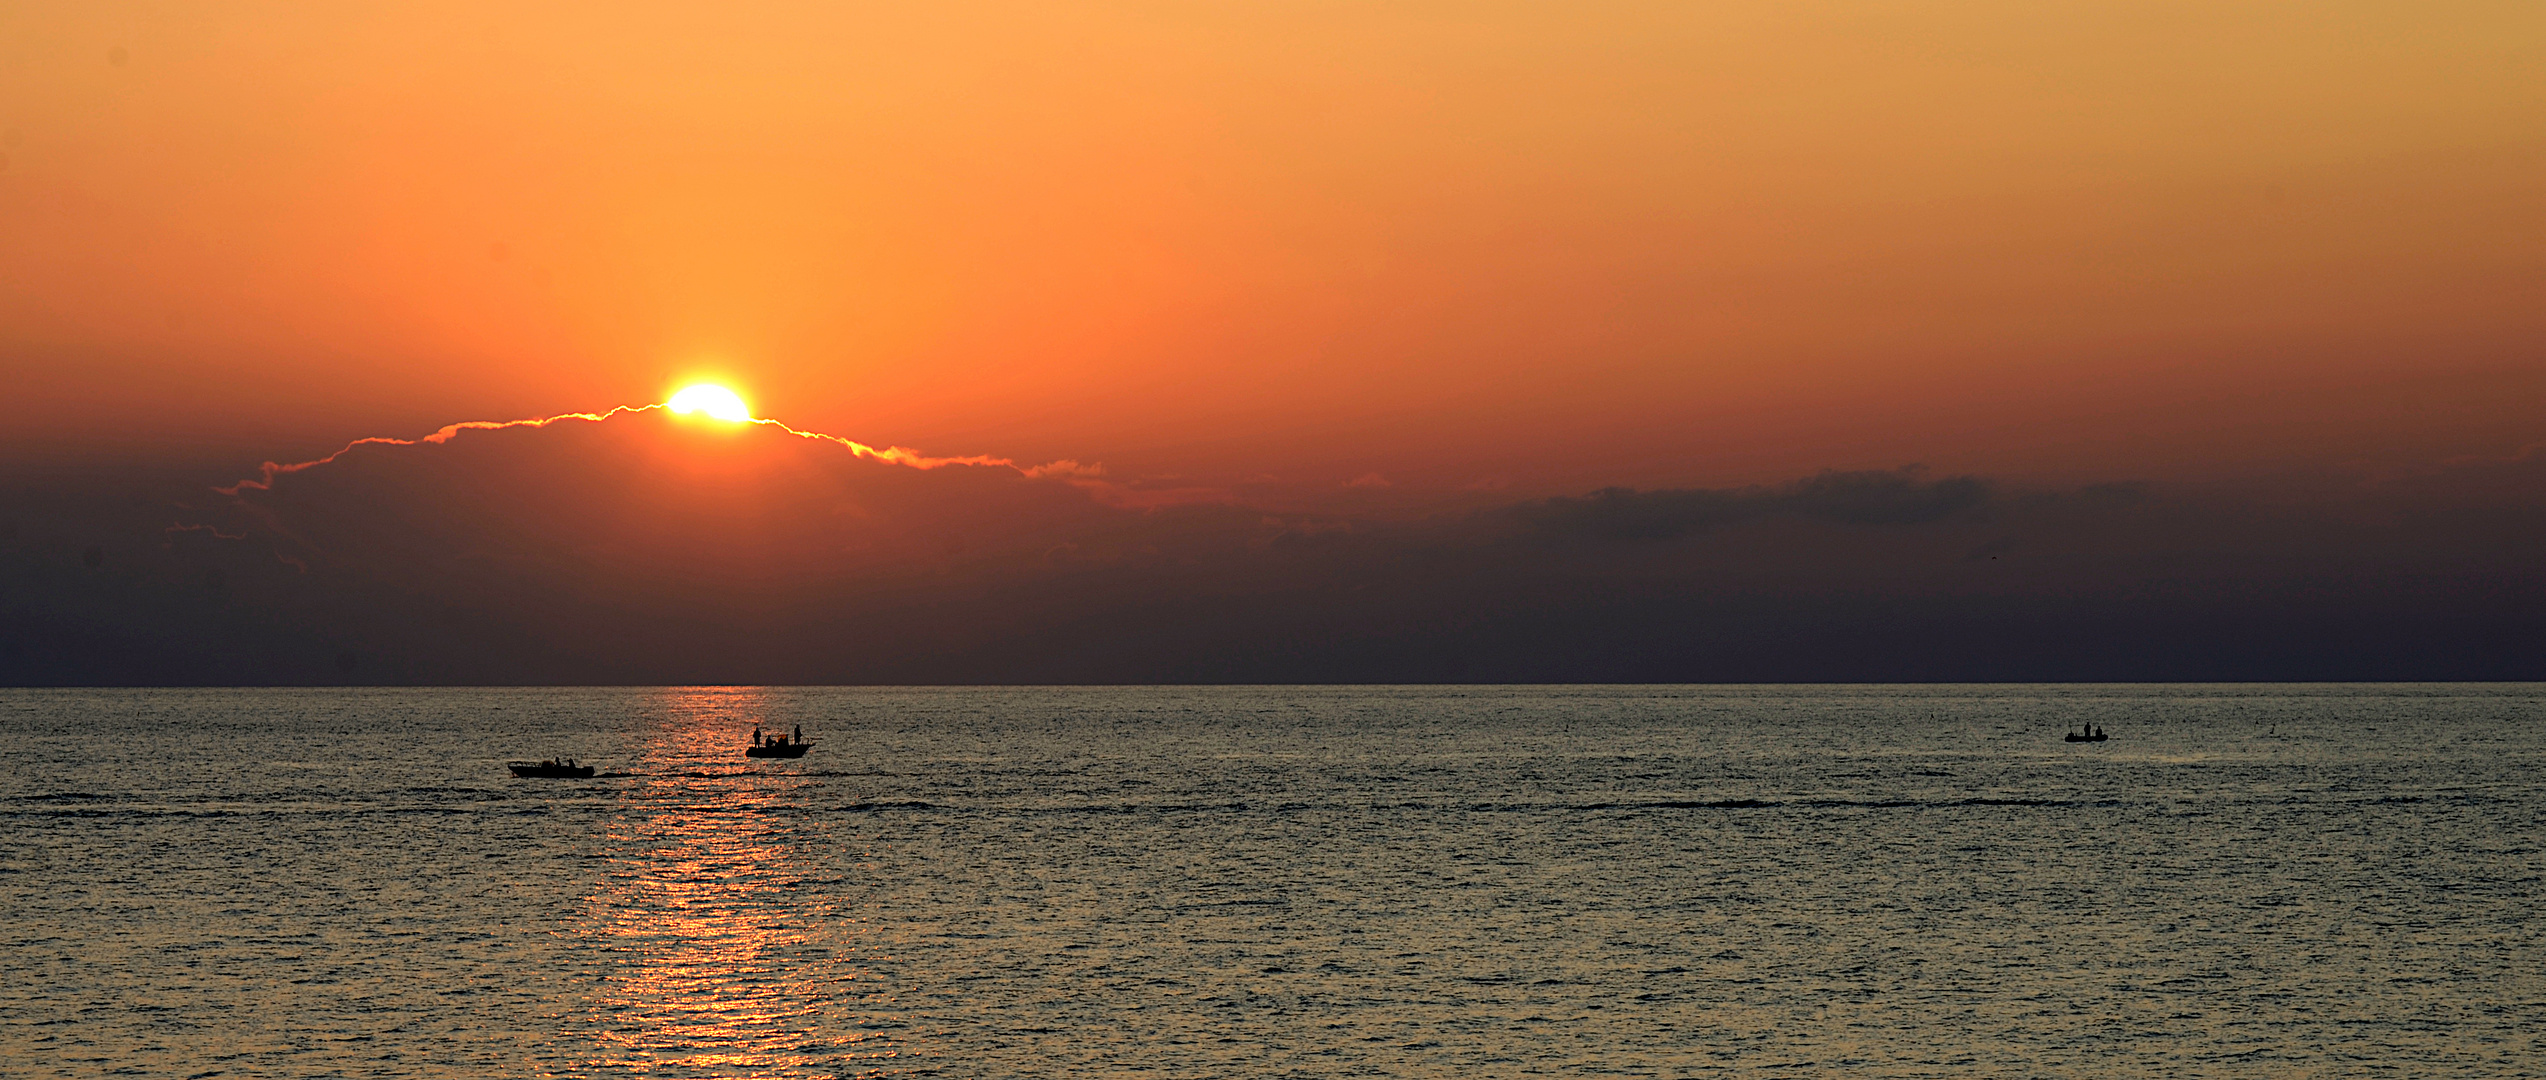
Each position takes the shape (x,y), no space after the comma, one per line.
(1241,882)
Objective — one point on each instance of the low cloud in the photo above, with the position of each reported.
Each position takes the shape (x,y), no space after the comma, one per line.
(1855,498)
(633,548)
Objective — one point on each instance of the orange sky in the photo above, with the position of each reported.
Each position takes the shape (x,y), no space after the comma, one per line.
(1547,246)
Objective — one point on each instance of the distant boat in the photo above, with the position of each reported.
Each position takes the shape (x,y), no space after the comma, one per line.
(551,769)
(777,746)
(2088,733)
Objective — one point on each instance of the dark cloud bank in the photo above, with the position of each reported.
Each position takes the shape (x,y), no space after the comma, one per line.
(641,551)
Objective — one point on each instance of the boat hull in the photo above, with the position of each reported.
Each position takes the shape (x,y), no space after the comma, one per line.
(546,771)
(789,750)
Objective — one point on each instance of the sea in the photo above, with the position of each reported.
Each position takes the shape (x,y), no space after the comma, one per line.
(1426,881)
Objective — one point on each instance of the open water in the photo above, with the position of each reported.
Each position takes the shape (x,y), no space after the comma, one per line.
(2263,881)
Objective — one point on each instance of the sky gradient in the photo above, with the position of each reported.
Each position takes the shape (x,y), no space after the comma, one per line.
(1541,245)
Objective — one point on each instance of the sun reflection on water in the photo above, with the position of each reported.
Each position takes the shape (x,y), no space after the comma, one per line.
(727,951)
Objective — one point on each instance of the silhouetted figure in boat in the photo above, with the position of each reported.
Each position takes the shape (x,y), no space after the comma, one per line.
(781,745)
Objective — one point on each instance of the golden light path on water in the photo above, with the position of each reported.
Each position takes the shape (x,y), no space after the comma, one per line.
(728,951)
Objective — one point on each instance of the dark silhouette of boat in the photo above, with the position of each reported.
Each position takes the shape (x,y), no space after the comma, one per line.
(2087,733)
(551,769)
(777,746)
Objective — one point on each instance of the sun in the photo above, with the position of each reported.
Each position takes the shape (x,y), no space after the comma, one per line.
(709,398)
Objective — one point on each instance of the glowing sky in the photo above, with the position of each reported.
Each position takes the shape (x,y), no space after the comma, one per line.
(1544,246)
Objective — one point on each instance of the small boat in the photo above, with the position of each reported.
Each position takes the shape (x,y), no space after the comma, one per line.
(2088,733)
(777,746)
(551,769)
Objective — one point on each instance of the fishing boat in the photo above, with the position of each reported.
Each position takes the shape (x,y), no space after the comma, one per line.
(2087,733)
(781,745)
(551,769)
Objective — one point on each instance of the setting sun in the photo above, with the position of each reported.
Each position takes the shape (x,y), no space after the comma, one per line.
(715,401)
